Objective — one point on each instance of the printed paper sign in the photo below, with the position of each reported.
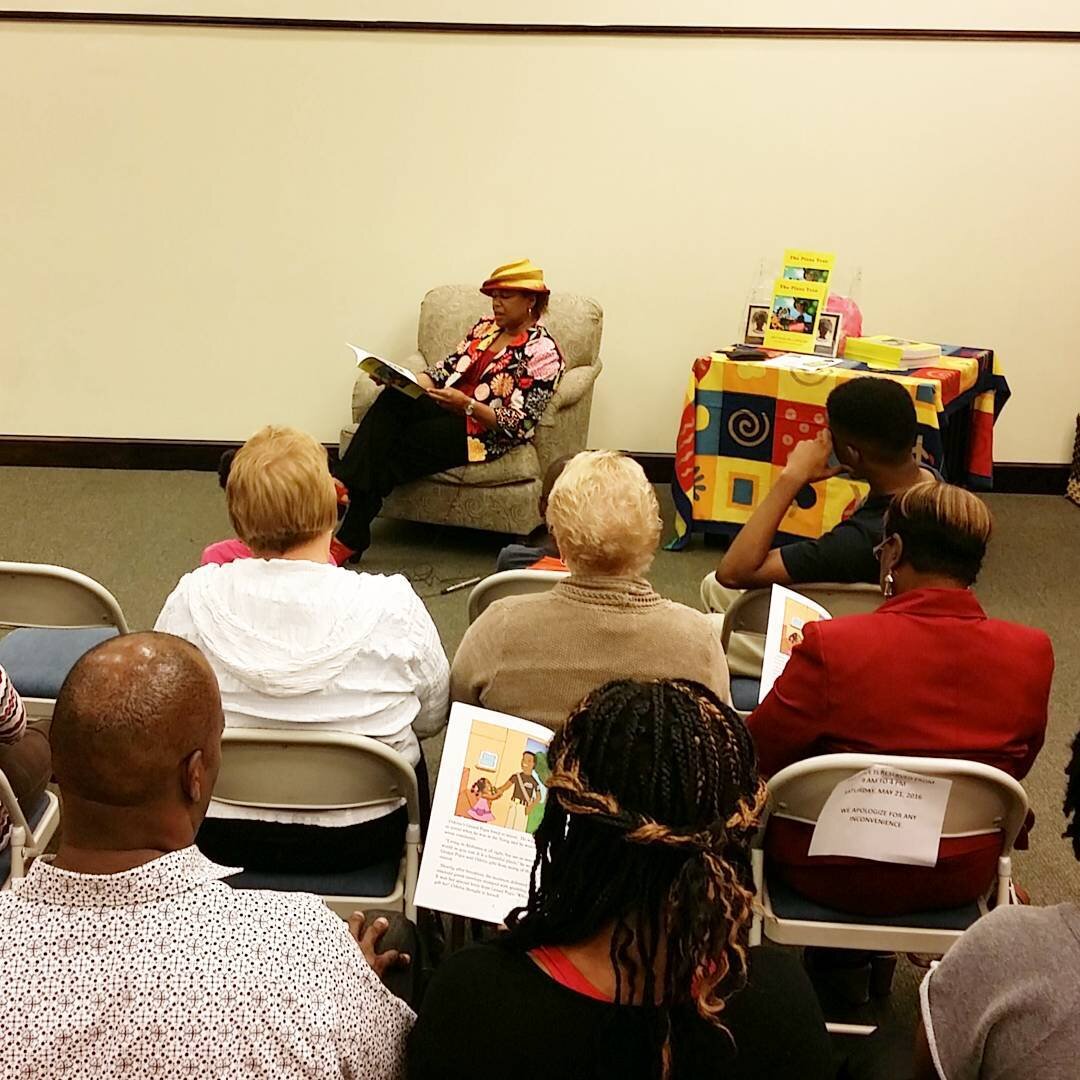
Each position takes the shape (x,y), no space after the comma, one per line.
(884,814)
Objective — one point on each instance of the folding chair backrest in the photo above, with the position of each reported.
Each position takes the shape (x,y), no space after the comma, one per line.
(11,804)
(29,834)
(982,799)
(40,595)
(510,583)
(838,598)
(301,769)
(749,614)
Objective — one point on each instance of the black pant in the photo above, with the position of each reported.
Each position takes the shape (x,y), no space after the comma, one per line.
(400,439)
(272,847)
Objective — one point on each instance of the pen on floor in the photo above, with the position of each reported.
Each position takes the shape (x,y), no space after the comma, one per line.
(461,585)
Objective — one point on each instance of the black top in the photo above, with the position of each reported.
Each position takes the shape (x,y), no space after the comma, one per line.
(490,1011)
(845,553)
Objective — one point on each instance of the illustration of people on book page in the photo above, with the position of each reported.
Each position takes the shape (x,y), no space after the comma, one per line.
(502,779)
(789,612)
(489,799)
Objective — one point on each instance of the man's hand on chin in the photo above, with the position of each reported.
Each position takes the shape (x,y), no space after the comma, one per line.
(809,461)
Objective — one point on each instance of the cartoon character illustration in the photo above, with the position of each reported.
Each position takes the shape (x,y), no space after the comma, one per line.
(543,773)
(484,792)
(525,793)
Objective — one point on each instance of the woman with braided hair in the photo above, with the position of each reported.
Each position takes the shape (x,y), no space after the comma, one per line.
(630,958)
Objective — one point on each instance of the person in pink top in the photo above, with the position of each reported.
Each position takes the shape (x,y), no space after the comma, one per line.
(227,551)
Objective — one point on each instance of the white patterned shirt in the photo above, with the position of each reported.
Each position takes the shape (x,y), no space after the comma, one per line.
(165,971)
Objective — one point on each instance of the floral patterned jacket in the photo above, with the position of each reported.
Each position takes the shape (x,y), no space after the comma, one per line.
(518,384)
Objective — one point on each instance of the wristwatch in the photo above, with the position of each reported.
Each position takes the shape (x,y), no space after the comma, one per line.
(469,408)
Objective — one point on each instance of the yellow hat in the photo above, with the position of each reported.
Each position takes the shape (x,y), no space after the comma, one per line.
(520,275)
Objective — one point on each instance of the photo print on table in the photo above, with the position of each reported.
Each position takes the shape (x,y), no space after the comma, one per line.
(757,322)
(827,337)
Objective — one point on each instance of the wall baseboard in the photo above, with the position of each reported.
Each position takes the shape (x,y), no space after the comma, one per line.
(1030,478)
(169,455)
(58,451)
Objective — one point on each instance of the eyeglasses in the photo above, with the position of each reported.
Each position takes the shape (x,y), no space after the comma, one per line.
(879,547)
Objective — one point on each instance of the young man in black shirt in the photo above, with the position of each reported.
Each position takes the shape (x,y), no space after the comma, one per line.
(872,431)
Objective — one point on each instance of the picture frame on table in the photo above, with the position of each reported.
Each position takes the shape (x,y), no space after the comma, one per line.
(757,322)
(827,333)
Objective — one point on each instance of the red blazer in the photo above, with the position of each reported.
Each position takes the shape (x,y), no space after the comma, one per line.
(927,673)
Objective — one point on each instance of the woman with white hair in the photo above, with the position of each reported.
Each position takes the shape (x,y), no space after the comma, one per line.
(537,656)
(295,640)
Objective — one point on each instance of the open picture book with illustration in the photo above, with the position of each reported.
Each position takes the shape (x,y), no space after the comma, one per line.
(489,799)
(789,612)
(400,378)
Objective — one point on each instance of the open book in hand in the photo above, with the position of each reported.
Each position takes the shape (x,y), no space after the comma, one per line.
(400,378)
(489,799)
(789,612)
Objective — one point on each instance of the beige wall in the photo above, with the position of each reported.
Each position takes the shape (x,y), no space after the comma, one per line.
(194,221)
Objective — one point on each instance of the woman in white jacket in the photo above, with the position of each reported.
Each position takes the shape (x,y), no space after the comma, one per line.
(294,639)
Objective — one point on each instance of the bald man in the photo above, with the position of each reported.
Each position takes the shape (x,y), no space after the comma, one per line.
(127,954)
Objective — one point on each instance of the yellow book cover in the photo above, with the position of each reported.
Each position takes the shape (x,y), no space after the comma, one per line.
(802,265)
(793,314)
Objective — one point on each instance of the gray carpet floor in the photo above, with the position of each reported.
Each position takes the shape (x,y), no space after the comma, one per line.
(138,532)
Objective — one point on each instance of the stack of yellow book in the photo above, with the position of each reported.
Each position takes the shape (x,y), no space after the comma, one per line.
(891,353)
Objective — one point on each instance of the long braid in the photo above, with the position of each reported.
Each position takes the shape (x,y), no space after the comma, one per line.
(654,796)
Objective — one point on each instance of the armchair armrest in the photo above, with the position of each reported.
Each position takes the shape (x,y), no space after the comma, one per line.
(574,385)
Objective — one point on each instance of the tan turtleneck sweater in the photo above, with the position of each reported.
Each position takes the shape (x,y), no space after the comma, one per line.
(537,656)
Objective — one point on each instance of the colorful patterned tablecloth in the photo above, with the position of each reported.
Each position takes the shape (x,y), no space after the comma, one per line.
(741,419)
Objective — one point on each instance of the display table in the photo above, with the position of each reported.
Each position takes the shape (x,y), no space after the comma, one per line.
(741,420)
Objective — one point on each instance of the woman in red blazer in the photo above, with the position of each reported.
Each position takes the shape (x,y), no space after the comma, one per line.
(928,673)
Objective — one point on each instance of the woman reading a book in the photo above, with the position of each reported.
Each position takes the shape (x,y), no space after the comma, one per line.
(484,399)
(631,957)
(928,673)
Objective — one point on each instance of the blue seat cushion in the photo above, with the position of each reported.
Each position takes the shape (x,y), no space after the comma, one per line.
(32,819)
(379,879)
(744,692)
(37,660)
(788,904)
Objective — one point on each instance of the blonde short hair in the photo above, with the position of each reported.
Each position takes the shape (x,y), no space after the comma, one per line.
(943,529)
(604,515)
(280,493)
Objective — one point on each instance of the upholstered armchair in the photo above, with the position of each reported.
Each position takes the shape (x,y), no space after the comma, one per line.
(500,495)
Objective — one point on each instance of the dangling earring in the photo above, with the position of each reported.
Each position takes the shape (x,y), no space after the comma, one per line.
(890,584)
